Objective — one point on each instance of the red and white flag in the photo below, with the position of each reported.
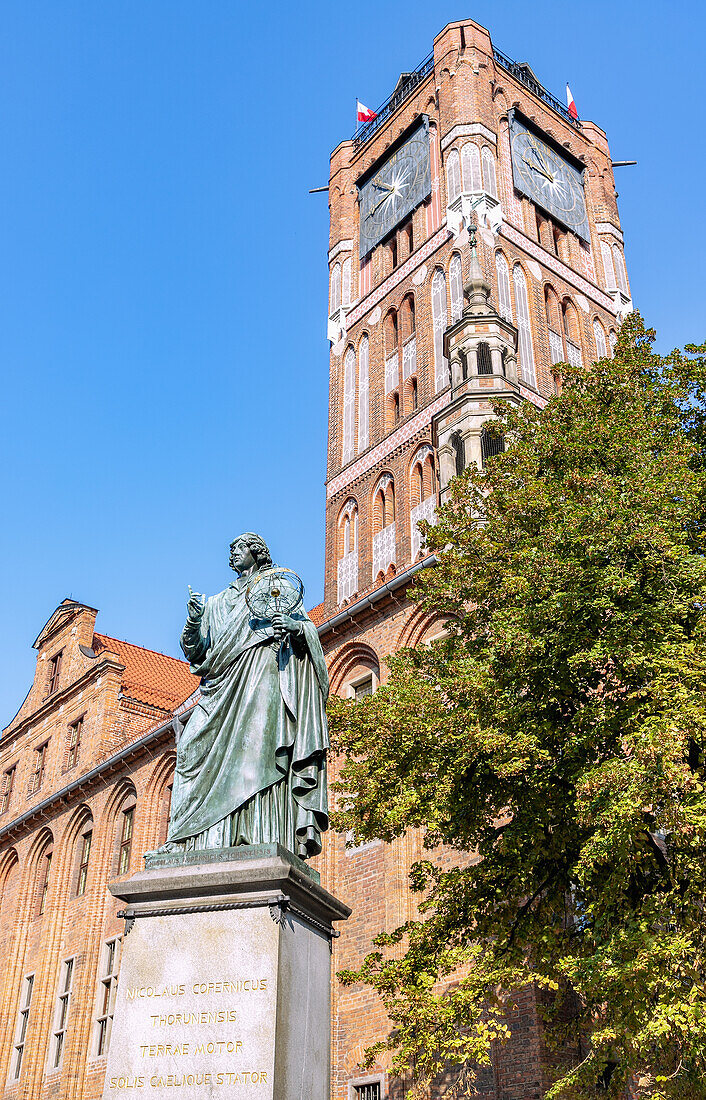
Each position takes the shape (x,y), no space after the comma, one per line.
(570,103)
(363,113)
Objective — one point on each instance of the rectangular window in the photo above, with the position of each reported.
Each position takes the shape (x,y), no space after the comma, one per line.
(363,688)
(126,841)
(40,760)
(107,991)
(54,673)
(62,1012)
(8,781)
(83,865)
(44,886)
(22,1020)
(75,730)
(370,1091)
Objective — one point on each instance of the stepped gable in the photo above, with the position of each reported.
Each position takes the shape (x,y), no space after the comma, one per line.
(149,676)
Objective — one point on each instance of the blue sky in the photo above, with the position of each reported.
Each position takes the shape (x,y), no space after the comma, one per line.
(163,278)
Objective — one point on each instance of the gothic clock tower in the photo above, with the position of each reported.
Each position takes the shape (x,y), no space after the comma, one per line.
(474,245)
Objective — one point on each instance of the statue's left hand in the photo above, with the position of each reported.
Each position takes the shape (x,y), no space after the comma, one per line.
(285,624)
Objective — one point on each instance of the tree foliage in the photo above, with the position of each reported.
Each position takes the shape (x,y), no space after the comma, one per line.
(555,739)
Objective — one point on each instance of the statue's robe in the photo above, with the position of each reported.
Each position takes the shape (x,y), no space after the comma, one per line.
(251,762)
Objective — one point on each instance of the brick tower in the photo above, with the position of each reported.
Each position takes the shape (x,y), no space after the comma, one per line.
(427,323)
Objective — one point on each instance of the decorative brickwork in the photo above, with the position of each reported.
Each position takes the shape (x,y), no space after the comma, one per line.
(110,782)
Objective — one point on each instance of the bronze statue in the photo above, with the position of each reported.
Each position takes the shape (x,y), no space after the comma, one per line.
(251,763)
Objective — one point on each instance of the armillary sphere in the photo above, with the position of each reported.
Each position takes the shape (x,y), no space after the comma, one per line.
(274,591)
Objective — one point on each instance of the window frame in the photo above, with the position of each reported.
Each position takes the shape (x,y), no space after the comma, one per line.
(47,857)
(61,1013)
(40,763)
(73,747)
(125,842)
(107,993)
(54,671)
(9,776)
(84,859)
(358,1083)
(21,1026)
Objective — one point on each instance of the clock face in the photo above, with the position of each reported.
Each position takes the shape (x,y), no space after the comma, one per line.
(395,188)
(547,178)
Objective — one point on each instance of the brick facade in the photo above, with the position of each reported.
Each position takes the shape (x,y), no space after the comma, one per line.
(107,711)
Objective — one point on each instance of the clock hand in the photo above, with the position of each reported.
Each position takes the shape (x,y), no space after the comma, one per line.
(385,198)
(382,186)
(536,169)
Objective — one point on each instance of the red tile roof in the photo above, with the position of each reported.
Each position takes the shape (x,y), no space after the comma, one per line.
(316,614)
(150,677)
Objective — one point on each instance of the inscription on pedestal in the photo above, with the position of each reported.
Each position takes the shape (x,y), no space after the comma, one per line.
(196,1008)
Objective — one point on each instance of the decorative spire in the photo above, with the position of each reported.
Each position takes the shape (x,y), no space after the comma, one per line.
(477,289)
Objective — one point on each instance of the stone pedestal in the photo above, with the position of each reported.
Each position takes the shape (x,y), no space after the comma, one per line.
(225,979)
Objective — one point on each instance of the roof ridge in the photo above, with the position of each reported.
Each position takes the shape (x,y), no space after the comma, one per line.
(143,648)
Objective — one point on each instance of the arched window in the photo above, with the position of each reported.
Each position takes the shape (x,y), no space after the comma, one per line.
(552,309)
(384,528)
(485,363)
(440,321)
(348,550)
(572,332)
(599,337)
(504,300)
(43,873)
(456,287)
(491,443)
(612,341)
(620,272)
(363,395)
(524,326)
(453,177)
(408,234)
(335,295)
(126,823)
(490,183)
(348,405)
(390,330)
(83,855)
(470,161)
(407,320)
(346,282)
(422,495)
(609,271)
(459,449)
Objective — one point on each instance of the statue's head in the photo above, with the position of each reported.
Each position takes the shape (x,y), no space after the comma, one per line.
(257,547)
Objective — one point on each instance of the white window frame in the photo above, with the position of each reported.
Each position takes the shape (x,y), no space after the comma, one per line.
(490,175)
(524,325)
(456,287)
(440,320)
(453,177)
(351,685)
(363,394)
(335,291)
(21,1027)
(502,271)
(107,979)
(471,165)
(347,446)
(67,972)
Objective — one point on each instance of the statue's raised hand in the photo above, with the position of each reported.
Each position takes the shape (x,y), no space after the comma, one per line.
(196,605)
(285,624)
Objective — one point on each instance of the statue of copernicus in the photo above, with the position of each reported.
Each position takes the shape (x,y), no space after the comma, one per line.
(251,763)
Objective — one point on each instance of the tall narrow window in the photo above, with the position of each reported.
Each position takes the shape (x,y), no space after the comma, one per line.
(346,282)
(453,177)
(490,183)
(503,273)
(440,320)
(348,405)
(126,840)
(392,250)
(40,760)
(363,395)
(45,869)
(485,363)
(612,341)
(22,1021)
(8,782)
(86,840)
(620,272)
(608,269)
(599,337)
(524,326)
(335,294)
(75,731)
(491,443)
(54,672)
(456,287)
(408,232)
(107,990)
(62,1011)
(459,449)
(470,160)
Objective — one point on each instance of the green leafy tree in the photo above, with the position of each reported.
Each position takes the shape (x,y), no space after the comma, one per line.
(556,740)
